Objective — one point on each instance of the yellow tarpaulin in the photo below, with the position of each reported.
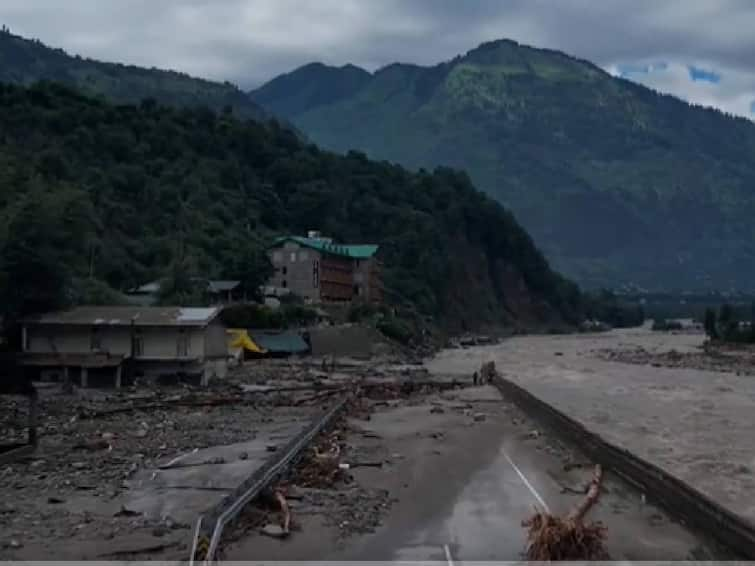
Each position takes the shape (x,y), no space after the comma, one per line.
(239,338)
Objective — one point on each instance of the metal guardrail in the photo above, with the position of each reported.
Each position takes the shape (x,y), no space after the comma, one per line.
(677,497)
(209,527)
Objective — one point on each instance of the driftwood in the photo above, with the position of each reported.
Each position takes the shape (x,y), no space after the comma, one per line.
(554,538)
(286,521)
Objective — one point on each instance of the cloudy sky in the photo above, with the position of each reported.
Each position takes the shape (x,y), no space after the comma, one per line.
(700,50)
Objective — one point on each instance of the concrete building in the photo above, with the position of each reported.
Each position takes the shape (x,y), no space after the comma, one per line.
(105,342)
(319,270)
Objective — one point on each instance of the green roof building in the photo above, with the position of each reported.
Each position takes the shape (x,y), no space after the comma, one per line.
(321,270)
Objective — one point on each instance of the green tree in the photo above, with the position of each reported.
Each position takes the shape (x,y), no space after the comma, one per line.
(710,324)
(252,267)
(45,242)
(728,325)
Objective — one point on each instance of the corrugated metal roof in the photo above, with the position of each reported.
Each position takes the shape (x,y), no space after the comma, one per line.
(125,316)
(358,251)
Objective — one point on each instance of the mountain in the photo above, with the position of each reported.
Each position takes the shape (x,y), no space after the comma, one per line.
(24,61)
(618,184)
(96,197)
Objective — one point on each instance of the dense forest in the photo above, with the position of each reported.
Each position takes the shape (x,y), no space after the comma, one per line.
(619,185)
(96,198)
(25,61)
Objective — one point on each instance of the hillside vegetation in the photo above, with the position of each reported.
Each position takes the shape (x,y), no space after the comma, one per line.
(618,184)
(24,61)
(97,198)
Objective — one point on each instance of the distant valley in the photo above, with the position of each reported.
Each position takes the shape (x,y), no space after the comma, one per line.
(619,185)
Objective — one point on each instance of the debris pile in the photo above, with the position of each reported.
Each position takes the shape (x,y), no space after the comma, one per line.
(553,538)
(321,468)
(713,358)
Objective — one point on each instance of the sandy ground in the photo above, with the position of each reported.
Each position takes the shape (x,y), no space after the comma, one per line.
(447,485)
(697,424)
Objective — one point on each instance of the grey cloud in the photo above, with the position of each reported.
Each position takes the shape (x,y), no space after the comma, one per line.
(250,41)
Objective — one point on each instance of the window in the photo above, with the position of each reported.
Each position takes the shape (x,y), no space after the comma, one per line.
(284,270)
(293,257)
(137,345)
(95,343)
(303,256)
(285,284)
(277,257)
(183,344)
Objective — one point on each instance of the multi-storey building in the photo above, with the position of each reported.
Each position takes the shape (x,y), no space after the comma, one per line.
(320,270)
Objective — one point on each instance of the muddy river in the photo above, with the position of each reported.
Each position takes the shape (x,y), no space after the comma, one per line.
(697,424)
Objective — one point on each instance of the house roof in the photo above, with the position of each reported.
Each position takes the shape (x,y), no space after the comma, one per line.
(279,342)
(153,287)
(222,286)
(125,316)
(359,251)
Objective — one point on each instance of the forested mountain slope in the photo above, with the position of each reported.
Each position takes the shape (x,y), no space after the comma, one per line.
(617,183)
(96,196)
(26,61)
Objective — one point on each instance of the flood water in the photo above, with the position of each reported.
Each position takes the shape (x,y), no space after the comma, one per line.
(698,425)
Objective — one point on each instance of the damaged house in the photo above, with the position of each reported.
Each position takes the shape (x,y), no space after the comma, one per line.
(87,343)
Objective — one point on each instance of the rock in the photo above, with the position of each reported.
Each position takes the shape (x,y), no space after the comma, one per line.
(159,531)
(55,500)
(79,465)
(271,448)
(479,417)
(15,544)
(141,433)
(124,512)
(437,410)
(558,354)
(243,456)
(275,531)
(534,434)
(107,436)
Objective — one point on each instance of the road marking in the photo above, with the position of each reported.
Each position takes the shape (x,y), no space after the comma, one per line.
(449,558)
(524,479)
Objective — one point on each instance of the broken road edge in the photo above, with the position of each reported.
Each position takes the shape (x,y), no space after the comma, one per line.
(681,500)
(210,525)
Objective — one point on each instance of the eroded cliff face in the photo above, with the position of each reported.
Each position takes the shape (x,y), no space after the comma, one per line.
(484,292)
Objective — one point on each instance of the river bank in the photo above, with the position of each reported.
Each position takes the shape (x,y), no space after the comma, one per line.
(695,423)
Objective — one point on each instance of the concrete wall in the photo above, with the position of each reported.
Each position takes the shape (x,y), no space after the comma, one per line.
(349,340)
(76,339)
(367,277)
(216,341)
(158,342)
(294,270)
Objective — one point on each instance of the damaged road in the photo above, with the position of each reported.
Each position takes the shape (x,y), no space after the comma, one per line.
(458,472)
